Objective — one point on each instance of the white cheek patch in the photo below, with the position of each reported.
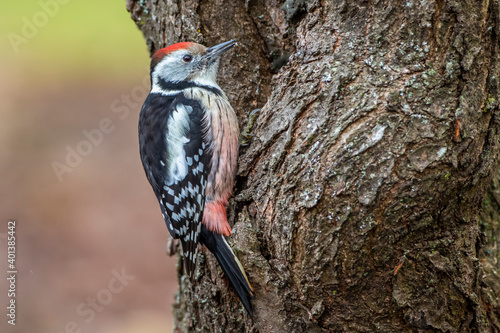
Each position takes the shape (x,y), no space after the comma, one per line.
(170,69)
(178,126)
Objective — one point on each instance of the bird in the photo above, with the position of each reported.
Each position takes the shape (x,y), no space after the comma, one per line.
(189,142)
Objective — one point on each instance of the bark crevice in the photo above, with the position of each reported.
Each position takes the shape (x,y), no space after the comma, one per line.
(357,203)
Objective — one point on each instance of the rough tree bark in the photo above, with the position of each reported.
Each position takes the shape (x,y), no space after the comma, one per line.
(357,206)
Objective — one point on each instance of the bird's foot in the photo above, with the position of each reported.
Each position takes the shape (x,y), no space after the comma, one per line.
(172,246)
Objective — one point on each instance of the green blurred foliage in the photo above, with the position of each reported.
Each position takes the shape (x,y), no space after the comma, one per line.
(50,38)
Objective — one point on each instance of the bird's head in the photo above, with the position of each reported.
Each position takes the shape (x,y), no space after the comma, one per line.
(188,61)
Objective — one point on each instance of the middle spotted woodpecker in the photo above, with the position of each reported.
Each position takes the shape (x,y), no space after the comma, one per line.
(188,137)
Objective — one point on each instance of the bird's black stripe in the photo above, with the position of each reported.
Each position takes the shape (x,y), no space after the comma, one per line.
(169,85)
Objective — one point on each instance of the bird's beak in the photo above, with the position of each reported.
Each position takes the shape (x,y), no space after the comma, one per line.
(215,52)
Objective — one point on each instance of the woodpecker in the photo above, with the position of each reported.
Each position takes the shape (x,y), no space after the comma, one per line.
(188,138)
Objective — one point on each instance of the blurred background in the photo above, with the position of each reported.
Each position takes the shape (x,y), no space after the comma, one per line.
(90,237)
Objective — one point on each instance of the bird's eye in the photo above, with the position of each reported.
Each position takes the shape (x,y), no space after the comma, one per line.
(187,58)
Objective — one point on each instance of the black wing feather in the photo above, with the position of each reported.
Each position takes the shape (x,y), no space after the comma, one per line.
(182,196)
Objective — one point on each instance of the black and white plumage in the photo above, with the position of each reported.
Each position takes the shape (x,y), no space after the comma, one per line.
(188,137)
(178,174)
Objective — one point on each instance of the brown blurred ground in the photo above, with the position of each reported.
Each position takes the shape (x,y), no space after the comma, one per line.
(72,234)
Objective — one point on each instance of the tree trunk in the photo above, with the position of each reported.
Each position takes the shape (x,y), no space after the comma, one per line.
(357,204)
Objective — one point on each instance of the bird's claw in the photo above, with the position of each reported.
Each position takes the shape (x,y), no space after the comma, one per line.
(172,246)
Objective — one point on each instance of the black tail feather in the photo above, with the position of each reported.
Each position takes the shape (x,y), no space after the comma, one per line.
(230,265)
